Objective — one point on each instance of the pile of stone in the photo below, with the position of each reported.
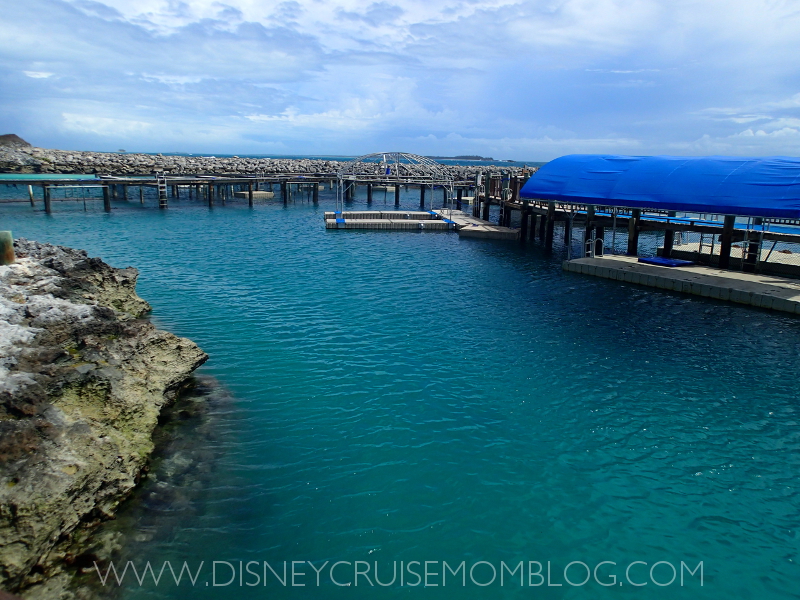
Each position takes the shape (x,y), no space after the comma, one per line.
(17,156)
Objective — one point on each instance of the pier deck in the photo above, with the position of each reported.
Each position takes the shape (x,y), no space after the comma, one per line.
(473,227)
(764,291)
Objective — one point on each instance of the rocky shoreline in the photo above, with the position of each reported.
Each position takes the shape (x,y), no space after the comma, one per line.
(23,158)
(83,381)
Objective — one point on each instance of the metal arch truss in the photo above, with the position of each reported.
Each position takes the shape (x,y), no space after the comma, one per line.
(395,168)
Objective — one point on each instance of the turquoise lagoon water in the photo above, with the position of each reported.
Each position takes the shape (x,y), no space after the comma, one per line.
(403,396)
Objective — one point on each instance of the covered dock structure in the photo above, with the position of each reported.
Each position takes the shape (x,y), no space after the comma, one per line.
(734,219)
(731,212)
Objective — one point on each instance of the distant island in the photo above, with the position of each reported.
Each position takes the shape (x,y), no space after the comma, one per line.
(467,157)
(13,140)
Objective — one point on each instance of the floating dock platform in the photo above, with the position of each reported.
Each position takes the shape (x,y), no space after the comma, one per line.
(387,219)
(434,220)
(764,291)
(257,195)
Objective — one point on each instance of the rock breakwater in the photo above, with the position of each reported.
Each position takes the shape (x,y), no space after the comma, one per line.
(28,159)
(83,380)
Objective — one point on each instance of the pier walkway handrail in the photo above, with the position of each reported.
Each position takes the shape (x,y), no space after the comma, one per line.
(394,168)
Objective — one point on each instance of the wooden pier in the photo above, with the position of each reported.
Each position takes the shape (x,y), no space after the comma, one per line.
(214,190)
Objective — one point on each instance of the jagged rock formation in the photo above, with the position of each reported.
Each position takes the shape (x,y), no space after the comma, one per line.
(83,380)
(15,159)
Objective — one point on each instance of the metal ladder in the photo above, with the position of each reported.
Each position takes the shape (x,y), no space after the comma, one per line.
(593,249)
(161,179)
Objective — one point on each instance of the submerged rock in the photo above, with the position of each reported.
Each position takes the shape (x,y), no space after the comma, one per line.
(83,380)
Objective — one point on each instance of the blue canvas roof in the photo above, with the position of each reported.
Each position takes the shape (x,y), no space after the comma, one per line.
(757,187)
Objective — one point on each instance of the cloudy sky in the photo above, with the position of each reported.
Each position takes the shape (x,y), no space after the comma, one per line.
(526,80)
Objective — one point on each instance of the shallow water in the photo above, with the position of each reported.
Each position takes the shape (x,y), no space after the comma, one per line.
(404,396)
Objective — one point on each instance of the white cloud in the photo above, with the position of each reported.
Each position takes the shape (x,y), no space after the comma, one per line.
(793,102)
(347,75)
(778,133)
(545,146)
(173,79)
(104,126)
(778,129)
(623,71)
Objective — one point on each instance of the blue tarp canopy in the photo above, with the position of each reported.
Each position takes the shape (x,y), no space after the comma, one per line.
(756,187)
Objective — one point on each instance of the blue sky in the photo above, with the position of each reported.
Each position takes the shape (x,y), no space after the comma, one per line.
(527,80)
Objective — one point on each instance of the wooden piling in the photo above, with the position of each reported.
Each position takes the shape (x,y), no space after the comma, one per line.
(542,227)
(587,230)
(107,199)
(141,194)
(285,192)
(250,194)
(315,193)
(421,197)
(600,240)
(397,194)
(725,242)
(669,238)
(369,193)
(125,192)
(669,241)
(551,219)
(487,197)
(476,200)
(523,225)
(633,232)
(30,193)
(210,195)
(459,196)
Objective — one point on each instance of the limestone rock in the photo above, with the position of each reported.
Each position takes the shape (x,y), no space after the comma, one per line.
(83,380)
